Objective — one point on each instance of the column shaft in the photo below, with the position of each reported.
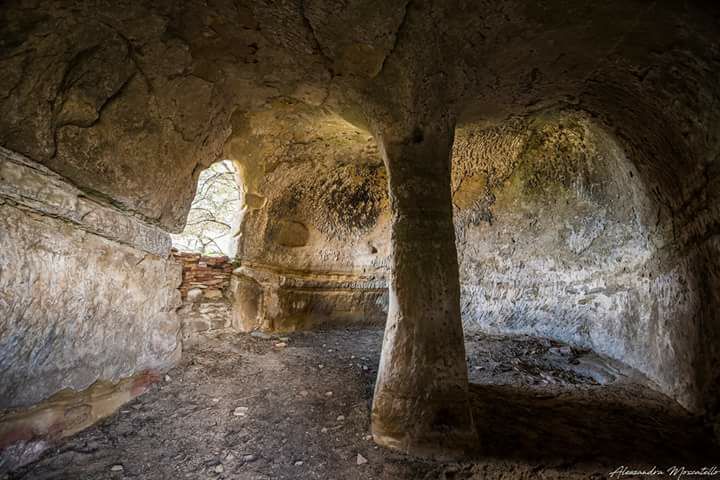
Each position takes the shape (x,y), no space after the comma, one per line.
(421,397)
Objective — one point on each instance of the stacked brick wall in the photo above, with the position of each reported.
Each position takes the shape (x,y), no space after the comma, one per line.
(206,306)
(211,275)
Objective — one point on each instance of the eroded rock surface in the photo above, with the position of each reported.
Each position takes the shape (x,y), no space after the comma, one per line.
(557,234)
(585,170)
(280,299)
(87,297)
(75,301)
(564,239)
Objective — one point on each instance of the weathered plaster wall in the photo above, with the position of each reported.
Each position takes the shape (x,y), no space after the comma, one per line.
(87,292)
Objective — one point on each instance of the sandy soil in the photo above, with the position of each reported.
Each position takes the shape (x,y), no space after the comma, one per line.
(241,407)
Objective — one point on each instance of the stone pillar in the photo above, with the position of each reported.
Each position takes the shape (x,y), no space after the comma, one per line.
(421,402)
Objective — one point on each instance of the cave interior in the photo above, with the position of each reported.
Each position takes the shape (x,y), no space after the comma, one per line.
(483,235)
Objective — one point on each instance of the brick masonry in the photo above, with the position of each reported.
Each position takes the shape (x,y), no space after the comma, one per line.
(211,275)
(206,304)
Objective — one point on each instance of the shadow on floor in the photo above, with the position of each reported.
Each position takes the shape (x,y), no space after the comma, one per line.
(306,411)
(517,423)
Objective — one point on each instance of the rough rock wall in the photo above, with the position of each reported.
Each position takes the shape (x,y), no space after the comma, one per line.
(315,190)
(563,239)
(131,100)
(708,375)
(314,243)
(87,292)
(558,234)
(92,95)
(562,231)
(699,234)
(316,250)
(320,217)
(285,299)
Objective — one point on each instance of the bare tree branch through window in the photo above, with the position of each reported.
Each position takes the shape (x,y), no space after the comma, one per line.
(215,213)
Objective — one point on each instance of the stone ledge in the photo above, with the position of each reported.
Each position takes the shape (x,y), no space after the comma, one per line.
(308,278)
(26,432)
(34,187)
(274,298)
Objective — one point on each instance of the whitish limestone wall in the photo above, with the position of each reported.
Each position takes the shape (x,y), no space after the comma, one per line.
(87,292)
(563,238)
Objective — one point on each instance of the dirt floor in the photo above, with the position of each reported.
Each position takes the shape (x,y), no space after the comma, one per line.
(244,407)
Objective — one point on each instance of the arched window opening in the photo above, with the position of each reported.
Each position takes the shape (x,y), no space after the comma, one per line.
(216,213)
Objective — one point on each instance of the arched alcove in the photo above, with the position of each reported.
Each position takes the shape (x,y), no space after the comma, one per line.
(313,246)
(559,236)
